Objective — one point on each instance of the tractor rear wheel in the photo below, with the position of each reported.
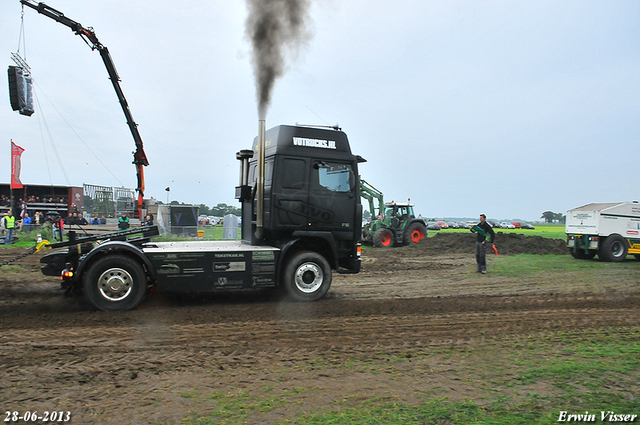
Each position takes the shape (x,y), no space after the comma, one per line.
(383,238)
(414,233)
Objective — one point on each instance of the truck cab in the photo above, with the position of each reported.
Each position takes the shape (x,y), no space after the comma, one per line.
(311,194)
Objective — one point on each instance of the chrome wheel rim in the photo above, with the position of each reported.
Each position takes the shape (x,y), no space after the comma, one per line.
(115,284)
(308,277)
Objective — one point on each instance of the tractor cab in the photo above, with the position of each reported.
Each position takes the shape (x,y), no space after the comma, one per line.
(397,210)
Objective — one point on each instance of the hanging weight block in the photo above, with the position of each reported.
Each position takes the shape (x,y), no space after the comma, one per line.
(17,88)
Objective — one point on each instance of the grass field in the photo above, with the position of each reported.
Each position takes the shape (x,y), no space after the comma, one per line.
(528,380)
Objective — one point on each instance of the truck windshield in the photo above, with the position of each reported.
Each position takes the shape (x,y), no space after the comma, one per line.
(335,177)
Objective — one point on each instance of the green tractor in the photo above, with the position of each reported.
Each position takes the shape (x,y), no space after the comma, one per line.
(395,225)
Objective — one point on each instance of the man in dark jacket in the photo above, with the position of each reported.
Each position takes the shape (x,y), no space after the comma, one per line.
(483,229)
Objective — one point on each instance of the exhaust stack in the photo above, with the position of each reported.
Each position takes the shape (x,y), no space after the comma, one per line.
(260,180)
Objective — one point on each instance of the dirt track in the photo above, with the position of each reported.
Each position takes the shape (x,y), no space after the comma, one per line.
(57,354)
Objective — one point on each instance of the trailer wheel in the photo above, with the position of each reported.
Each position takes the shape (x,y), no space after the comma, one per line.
(307,276)
(115,282)
(383,238)
(414,233)
(614,248)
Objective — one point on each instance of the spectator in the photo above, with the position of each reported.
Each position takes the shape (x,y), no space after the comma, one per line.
(58,228)
(103,220)
(9,224)
(23,208)
(26,223)
(95,220)
(123,222)
(69,219)
(81,220)
(148,220)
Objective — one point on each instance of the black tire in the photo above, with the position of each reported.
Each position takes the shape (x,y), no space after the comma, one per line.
(613,248)
(383,238)
(306,276)
(414,233)
(115,282)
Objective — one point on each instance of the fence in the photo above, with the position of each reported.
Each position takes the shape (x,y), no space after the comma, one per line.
(109,201)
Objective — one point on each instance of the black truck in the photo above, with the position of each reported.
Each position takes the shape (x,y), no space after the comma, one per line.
(301,219)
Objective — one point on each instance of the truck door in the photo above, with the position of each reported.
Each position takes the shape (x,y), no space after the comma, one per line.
(291,193)
(332,196)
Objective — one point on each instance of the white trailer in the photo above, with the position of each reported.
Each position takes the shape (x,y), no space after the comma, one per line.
(611,230)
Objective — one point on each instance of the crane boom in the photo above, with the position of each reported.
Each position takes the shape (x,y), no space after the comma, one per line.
(89,36)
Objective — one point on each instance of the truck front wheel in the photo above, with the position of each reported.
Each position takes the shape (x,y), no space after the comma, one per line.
(307,276)
(613,248)
(115,282)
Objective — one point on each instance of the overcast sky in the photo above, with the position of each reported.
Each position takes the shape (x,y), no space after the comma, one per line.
(508,108)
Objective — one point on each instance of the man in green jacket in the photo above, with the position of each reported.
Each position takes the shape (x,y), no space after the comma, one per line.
(9,224)
(123,222)
(482,229)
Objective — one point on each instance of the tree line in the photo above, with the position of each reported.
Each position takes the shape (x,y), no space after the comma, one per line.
(551,217)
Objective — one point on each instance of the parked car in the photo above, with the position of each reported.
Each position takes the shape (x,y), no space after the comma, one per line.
(507,225)
(453,225)
(494,224)
(432,225)
(442,224)
(527,226)
(517,224)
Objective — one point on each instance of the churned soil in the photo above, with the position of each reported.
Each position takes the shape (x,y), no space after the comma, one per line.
(176,357)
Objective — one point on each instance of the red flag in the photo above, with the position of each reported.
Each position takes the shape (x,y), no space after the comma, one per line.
(16,151)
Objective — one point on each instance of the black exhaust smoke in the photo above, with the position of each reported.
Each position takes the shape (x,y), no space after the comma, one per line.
(275,27)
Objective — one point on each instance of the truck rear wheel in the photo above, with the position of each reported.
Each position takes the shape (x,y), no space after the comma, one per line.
(307,276)
(383,238)
(115,282)
(414,233)
(613,248)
